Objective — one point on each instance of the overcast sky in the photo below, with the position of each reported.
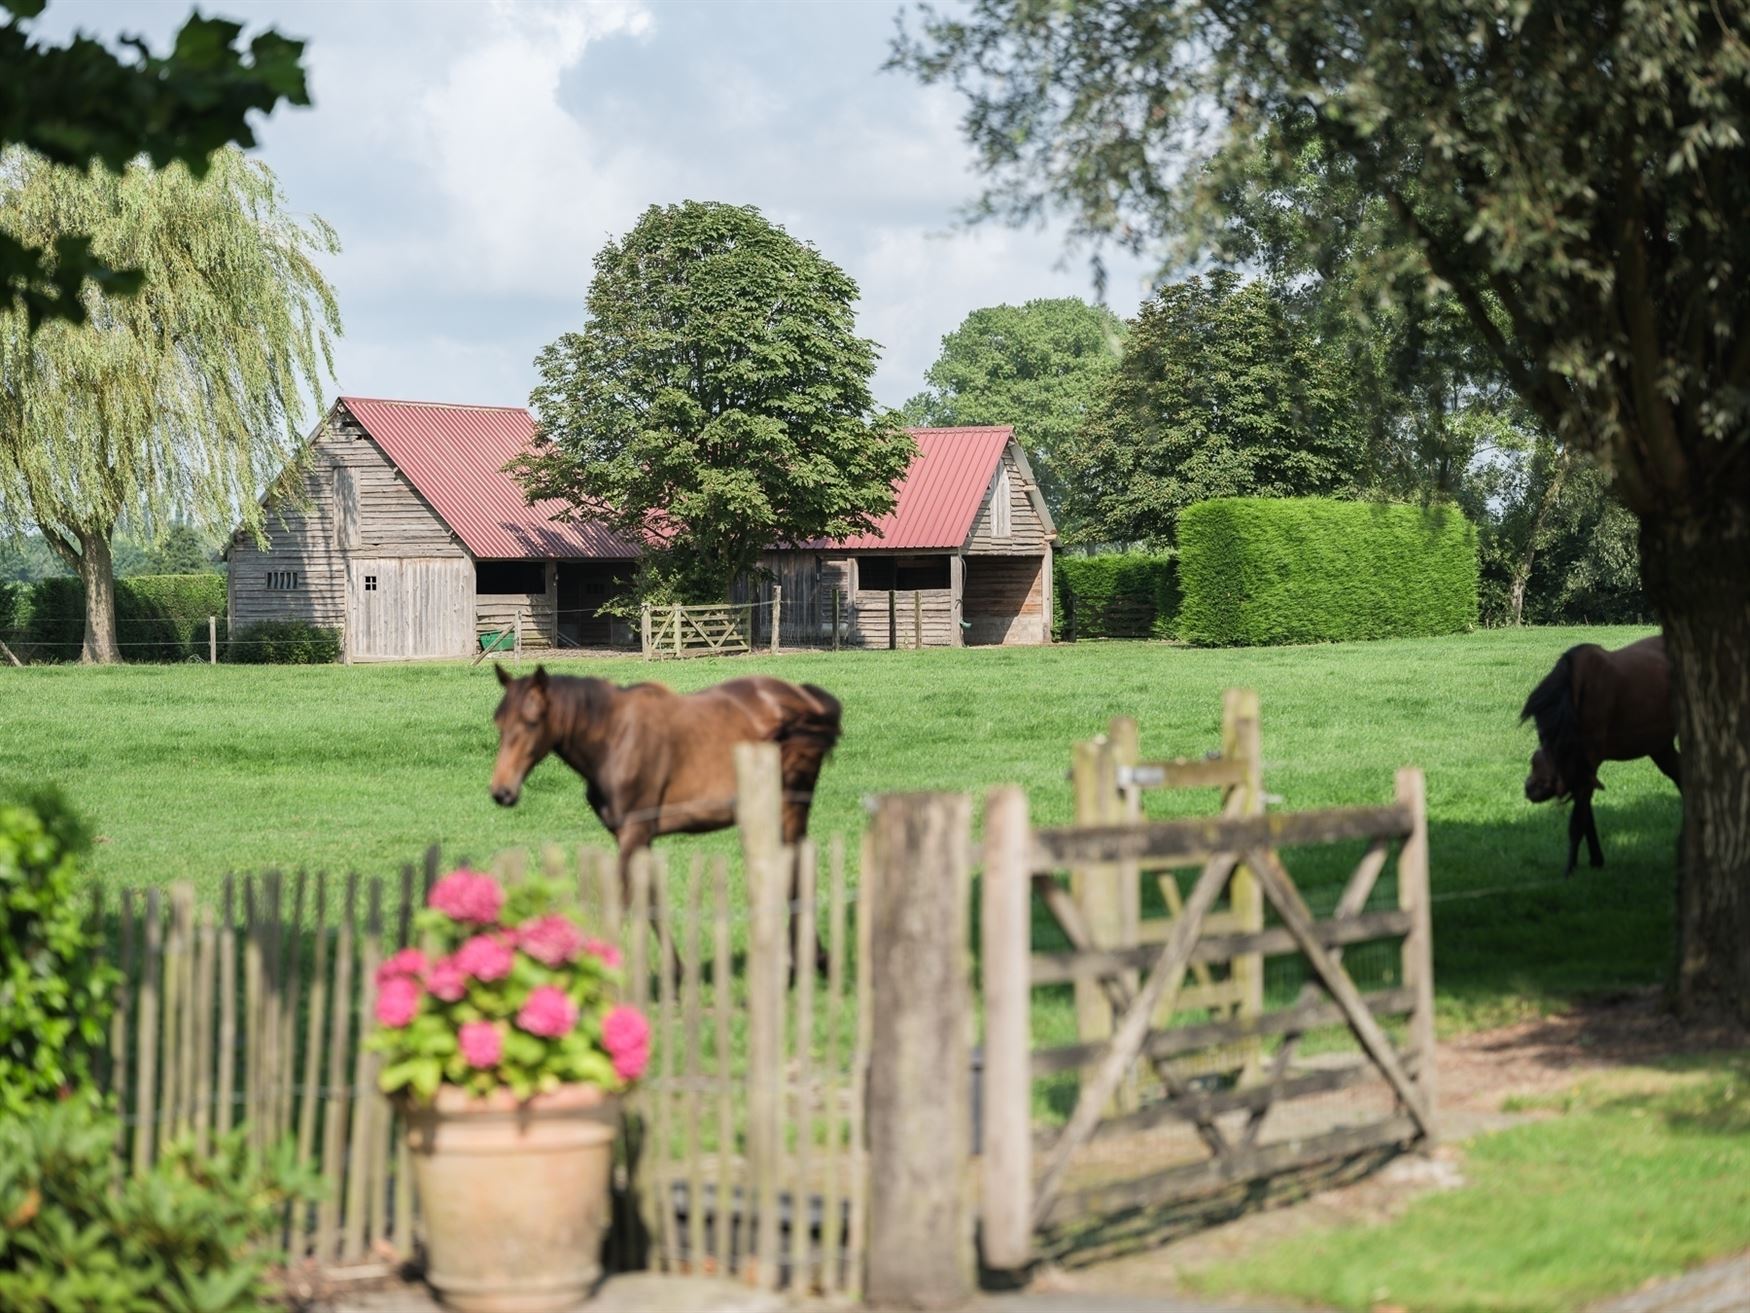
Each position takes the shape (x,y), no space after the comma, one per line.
(475,154)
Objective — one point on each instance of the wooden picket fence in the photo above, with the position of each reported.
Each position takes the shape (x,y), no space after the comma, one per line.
(742,1149)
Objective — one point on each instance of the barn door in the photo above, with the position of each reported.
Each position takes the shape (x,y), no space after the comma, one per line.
(402,607)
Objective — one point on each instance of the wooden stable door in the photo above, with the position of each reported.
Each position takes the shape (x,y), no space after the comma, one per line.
(402,607)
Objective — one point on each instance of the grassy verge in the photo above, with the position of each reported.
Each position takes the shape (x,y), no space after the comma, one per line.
(1641,1175)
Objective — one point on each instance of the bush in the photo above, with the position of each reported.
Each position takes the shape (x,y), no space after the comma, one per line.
(190,1236)
(284,643)
(159,617)
(56,989)
(1115,596)
(1258,571)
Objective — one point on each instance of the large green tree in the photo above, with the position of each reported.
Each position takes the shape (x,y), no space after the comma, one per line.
(716,402)
(1218,394)
(81,102)
(1575,172)
(180,401)
(1036,366)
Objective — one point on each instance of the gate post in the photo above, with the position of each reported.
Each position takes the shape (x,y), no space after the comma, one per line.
(920,1252)
(777,614)
(644,630)
(1240,741)
(1006,1086)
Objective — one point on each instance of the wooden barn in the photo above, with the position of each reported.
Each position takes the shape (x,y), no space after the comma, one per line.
(964,558)
(402,529)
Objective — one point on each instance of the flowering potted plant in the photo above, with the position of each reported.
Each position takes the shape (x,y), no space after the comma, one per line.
(505,1050)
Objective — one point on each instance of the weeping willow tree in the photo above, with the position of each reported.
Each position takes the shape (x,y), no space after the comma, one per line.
(179,402)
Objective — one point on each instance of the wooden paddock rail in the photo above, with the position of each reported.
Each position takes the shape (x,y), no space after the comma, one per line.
(722,629)
(1145,984)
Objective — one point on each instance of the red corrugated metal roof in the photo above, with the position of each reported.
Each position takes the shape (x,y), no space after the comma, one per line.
(455,457)
(941,493)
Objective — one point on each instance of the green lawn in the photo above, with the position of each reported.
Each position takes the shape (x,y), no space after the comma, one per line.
(1644,1175)
(192,771)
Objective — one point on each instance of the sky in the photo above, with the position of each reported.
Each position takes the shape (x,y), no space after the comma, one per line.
(473,156)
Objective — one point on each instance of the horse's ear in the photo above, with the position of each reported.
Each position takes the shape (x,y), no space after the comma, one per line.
(539,679)
(503,674)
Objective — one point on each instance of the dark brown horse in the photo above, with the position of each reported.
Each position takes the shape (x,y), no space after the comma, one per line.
(657,762)
(1599,706)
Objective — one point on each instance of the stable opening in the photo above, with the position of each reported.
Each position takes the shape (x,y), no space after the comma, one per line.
(902,573)
(501,577)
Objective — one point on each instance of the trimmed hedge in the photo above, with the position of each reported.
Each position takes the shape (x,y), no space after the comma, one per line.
(1115,596)
(159,617)
(1257,571)
(284,643)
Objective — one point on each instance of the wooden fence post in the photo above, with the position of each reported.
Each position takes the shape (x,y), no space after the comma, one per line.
(1096,889)
(519,635)
(919,1093)
(759,817)
(677,629)
(835,619)
(1418,945)
(644,630)
(917,620)
(1006,1086)
(892,619)
(1240,741)
(212,640)
(777,613)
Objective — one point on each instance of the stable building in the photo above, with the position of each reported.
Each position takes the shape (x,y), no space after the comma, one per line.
(401,528)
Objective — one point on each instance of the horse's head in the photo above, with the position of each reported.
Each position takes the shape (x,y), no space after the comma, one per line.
(524,733)
(1545,781)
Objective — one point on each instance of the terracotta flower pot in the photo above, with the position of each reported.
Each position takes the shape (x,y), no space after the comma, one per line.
(514,1196)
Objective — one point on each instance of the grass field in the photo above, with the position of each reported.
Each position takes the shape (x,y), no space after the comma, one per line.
(1645,1173)
(192,771)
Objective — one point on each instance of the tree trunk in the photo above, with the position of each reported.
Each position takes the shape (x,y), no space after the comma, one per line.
(1697,573)
(97,573)
(1522,569)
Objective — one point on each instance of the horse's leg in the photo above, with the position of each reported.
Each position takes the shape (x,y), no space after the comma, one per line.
(634,835)
(1583,812)
(1666,759)
(795,830)
(1576,831)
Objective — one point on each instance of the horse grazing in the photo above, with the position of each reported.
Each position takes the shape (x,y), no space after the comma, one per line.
(1599,706)
(657,762)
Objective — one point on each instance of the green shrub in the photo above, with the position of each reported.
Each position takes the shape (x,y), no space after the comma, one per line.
(284,643)
(1258,571)
(193,1235)
(1115,596)
(56,988)
(159,617)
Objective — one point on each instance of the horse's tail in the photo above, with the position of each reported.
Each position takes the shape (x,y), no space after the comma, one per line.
(804,738)
(1552,708)
(818,723)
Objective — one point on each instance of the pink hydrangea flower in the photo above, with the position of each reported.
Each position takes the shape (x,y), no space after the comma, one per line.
(481,1042)
(626,1037)
(409,963)
(446,980)
(397,1001)
(550,939)
(547,1012)
(485,957)
(469,896)
(601,948)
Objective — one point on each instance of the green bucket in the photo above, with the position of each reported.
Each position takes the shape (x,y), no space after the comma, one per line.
(490,641)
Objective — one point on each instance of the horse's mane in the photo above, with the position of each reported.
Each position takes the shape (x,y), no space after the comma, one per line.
(1551,707)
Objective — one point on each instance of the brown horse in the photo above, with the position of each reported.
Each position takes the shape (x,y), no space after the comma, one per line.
(1599,706)
(656,762)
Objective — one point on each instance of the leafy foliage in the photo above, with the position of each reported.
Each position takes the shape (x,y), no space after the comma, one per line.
(56,989)
(1217,395)
(1115,595)
(284,643)
(81,103)
(77,1233)
(717,401)
(181,401)
(1036,366)
(160,617)
(505,992)
(1258,571)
